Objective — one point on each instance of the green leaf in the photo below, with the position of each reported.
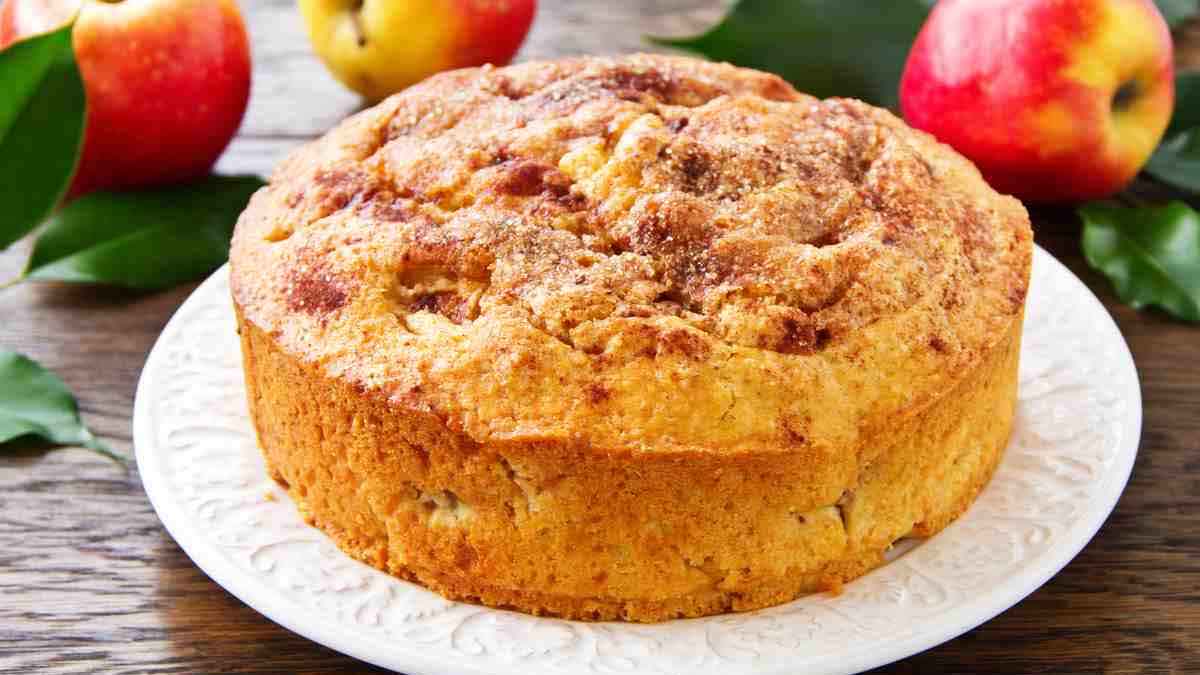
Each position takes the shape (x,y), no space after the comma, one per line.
(823,47)
(1177,11)
(1151,254)
(35,403)
(148,239)
(42,112)
(1187,103)
(1176,162)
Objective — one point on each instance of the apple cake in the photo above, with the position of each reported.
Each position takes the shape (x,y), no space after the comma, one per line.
(628,338)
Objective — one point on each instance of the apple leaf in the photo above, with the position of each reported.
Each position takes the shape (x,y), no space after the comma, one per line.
(42,113)
(35,403)
(1176,162)
(1187,103)
(148,239)
(1151,254)
(823,47)
(1177,11)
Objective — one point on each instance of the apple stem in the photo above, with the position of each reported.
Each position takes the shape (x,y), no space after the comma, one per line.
(356,19)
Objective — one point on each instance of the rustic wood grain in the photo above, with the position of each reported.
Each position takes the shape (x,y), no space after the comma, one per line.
(91,583)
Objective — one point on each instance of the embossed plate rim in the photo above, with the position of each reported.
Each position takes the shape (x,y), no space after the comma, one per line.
(340,634)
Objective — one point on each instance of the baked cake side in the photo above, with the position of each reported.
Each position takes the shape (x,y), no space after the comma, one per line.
(601,534)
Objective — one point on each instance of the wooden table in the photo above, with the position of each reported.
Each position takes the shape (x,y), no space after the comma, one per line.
(91,582)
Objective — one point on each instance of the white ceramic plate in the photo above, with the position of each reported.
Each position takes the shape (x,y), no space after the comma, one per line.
(1077,429)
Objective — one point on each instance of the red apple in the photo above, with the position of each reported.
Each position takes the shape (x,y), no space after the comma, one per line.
(167,83)
(1054,100)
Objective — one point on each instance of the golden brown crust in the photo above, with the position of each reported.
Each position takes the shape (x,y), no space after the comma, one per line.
(649,283)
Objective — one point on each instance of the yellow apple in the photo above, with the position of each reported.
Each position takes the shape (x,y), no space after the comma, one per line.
(378,47)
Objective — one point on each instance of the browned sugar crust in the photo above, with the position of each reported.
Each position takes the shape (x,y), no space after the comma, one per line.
(628,338)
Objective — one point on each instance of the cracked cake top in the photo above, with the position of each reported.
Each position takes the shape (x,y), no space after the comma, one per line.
(643,253)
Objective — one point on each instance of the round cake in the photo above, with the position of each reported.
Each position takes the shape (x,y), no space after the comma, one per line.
(634,338)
